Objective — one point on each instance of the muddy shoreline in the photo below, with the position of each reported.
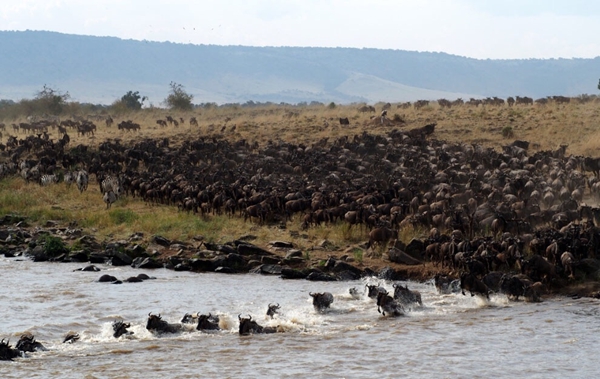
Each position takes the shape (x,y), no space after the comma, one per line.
(55,242)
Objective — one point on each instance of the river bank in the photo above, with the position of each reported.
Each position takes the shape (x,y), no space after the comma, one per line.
(54,242)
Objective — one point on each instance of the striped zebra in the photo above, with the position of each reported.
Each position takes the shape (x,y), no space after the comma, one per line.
(111,183)
(46,180)
(69,178)
(82,179)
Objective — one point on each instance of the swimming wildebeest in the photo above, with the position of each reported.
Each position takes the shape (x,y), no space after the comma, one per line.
(387,304)
(27,343)
(405,296)
(120,328)
(208,322)
(469,282)
(249,326)
(71,337)
(7,353)
(273,309)
(321,300)
(374,290)
(157,324)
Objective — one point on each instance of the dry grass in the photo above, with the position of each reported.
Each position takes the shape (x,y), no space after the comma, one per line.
(546,126)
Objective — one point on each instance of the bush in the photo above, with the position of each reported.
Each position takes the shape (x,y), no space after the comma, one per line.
(54,246)
(178,99)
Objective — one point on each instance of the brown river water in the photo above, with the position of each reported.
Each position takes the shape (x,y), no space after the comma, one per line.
(451,336)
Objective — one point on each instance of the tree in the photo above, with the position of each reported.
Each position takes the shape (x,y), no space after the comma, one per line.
(598,84)
(51,100)
(179,99)
(133,100)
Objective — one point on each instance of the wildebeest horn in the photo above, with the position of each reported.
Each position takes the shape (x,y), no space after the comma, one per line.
(278,306)
(240,317)
(149,314)
(209,315)
(311,294)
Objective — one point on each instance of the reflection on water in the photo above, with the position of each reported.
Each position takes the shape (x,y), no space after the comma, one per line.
(450,336)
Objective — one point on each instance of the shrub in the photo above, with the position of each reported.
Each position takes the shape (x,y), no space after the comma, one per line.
(122,216)
(54,246)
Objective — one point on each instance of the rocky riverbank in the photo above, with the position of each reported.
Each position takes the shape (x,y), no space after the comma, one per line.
(54,242)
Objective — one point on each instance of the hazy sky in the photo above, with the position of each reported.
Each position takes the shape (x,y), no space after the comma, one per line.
(497,29)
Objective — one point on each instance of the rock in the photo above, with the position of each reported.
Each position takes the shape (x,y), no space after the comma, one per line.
(388,273)
(145,276)
(294,254)
(341,266)
(290,273)
(267,269)
(347,275)
(119,259)
(236,262)
(203,265)
(97,257)
(326,244)
(78,256)
(249,249)
(318,276)
(38,254)
(225,270)
(282,244)
(89,242)
(182,267)
(399,256)
(269,260)
(247,237)
(146,263)
(416,249)
(90,268)
(160,240)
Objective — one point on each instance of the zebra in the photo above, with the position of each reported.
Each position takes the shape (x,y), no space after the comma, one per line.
(111,183)
(48,179)
(109,198)
(82,179)
(69,178)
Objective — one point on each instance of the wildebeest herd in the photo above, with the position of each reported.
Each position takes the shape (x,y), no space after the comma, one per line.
(402,300)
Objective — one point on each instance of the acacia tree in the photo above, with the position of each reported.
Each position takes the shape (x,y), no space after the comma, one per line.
(51,100)
(179,99)
(133,100)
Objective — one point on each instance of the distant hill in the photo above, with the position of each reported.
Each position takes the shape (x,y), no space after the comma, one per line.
(102,69)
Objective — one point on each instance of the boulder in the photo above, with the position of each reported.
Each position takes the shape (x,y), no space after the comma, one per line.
(399,256)
(160,240)
(318,276)
(290,273)
(416,249)
(146,263)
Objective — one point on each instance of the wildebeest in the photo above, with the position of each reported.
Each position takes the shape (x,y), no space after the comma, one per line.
(71,337)
(27,343)
(387,304)
(381,236)
(445,285)
(208,322)
(109,198)
(120,328)
(321,300)
(512,286)
(273,309)
(374,290)
(354,293)
(249,326)
(157,324)
(405,296)
(107,278)
(469,282)
(7,352)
